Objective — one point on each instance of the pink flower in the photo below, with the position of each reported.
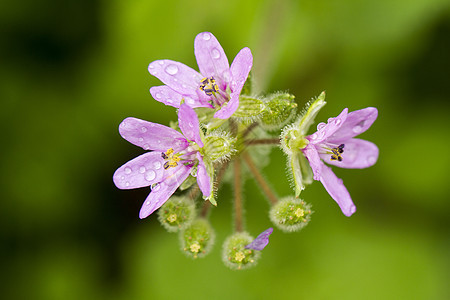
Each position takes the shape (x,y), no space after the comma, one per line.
(261,241)
(169,164)
(216,86)
(335,144)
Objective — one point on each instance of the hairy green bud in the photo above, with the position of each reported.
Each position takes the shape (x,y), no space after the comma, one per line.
(219,146)
(290,214)
(177,213)
(197,239)
(234,254)
(249,109)
(279,110)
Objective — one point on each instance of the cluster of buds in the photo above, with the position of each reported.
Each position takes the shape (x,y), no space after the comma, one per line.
(221,127)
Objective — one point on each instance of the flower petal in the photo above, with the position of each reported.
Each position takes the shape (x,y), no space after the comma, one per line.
(337,190)
(166,95)
(261,240)
(177,76)
(203,180)
(151,136)
(356,123)
(189,125)
(358,154)
(163,190)
(314,160)
(326,130)
(141,171)
(240,68)
(211,58)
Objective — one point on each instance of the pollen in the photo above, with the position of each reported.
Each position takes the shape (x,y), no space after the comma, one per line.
(209,86)
(195,247)
(239,256)
(172,218)
(337,151)
(171,159)
(299,212)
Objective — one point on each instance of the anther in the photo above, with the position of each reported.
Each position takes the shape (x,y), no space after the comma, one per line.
(172,160)
(337,151)
(209,86)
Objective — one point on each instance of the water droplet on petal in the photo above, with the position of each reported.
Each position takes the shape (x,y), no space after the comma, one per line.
(151,67)
(127,183)
(123,177)
(190,124)
(161,62)
(172,69)
(146,147)
(150,175)
(215,53)
(141,139)
(338,121)
(143,129)
(157,165)
(169,100)
(320,126)
(142,170)
(357,129)
(158,96)
(156,187)
(127,170)
(206,36)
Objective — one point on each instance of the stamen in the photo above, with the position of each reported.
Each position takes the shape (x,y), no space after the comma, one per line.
(172,160)
(209,86)
(337,151)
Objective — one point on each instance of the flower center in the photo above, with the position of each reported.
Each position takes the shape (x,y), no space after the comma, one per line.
(336,152)
(209,86)
(171,159)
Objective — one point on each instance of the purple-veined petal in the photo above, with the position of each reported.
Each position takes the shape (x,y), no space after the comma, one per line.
(203,180)
(228,108)
(151,136)
(326,130)
(261,240)
(162,191)
(141,171)
(358,154)
(166,95)
(356,123)
(313,157)
(211,58)
(337,190)
(177,76)
(189,125)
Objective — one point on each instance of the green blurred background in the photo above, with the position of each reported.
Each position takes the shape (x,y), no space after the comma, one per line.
(72,70)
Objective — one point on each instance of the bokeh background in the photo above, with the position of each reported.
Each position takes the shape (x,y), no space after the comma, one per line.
(72,70)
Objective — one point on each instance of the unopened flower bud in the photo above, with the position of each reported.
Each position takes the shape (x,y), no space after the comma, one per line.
(177,213)
(290,214)
(218,146)
(279,109)
(197,239)
(249,109)
(234,253)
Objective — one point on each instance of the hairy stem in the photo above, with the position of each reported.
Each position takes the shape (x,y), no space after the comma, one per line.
(272,141)
(237,195)
(259,178)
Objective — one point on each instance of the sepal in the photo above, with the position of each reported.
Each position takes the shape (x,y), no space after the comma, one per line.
(177,213)
(197,239)
(290,214)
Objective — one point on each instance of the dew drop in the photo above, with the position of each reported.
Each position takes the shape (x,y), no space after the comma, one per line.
(357,129)
(123,177)
(142,170)
(146,147)
(215,53)
(127,183)
(320,126)
(147,203)
(183,86)
(156,187)
(158,96)
(150,175)
(371,160)
(206,36)
(338,121)
(190,124)
(172,69)
(143,129)
(157,165)
(161,62)
(141,139)
(127,170)
(169,100)
(151,67)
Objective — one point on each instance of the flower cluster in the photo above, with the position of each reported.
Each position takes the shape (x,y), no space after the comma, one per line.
(223,126)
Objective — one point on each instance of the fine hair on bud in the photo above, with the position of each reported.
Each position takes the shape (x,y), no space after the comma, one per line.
(219,146)
(279,109)
(177,213)
(290,214)
(197,239)
(234,254)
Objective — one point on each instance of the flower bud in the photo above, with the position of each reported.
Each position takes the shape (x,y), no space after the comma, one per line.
(249,109)
(290,214)
(218,146)
(177,213)
(234,253)
(197,239)
(279,109)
